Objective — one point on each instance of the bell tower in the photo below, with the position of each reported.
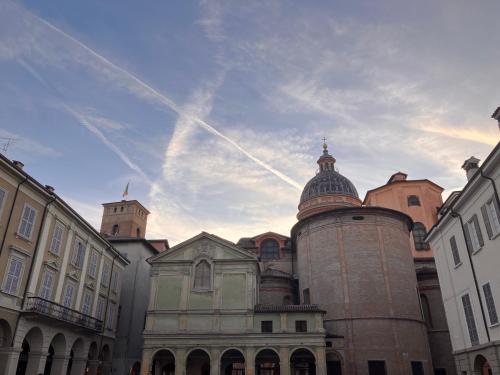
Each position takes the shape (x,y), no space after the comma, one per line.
(124,219)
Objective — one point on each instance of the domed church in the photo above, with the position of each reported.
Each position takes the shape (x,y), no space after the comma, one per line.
(339,296)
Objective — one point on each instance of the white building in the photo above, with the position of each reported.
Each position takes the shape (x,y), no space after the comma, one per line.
(466,243)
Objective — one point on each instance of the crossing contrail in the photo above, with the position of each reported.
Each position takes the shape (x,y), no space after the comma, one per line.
(171,104)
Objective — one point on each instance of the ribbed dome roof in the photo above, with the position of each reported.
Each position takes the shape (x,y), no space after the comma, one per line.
(328,182)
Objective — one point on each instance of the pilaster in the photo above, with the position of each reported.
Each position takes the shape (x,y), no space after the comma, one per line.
(215,361)
(180,362)
(38,261)
(64,265)
(320,361)
(250,361)
(36,362)
(285,361)
(78,366)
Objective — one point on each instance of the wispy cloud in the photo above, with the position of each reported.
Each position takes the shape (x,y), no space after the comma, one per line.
(25,145)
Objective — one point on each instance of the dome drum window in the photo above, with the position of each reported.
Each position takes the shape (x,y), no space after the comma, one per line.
(413,200)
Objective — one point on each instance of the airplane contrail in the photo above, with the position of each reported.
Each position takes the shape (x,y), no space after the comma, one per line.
(172,105)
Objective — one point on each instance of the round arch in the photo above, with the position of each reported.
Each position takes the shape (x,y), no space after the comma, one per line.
(302,348)
(232,362)
(5,333)
(163,362)
(78,345)
(198,362)
(93,353)
(276,351)
(302,362)
(334,363)
(57,347)
(267,361)
(481,365)
(34,337)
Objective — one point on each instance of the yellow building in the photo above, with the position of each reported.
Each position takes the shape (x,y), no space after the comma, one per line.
(60,283)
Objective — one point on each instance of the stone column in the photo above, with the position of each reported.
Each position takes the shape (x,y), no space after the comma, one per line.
(285,361)
(93,364)
(59,365)
(36,362)
(250,361)
(180,362)
(78,366)
(320,361)
(9,357)
(215,361)
(146,362)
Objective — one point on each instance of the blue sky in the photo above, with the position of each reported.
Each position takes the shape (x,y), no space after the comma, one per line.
(215,110)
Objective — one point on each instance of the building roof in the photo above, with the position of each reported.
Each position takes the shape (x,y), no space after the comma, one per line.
(134,201)
(125,239)
(395,182)
(48,192)
(287,308)
(496,114)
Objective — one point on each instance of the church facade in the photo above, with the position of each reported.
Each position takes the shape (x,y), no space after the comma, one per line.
(339,296)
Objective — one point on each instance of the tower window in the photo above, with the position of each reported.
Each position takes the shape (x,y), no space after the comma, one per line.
(202,276)
(114,210)
(138,232)
(269,250)
(413,200)
(121,208)
(301,326)
(419,233)
(115,230)
(306,297)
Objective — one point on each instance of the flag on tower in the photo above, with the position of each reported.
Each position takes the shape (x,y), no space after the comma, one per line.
(125,192)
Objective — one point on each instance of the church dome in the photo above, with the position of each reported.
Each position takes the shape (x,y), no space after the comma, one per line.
(327,190)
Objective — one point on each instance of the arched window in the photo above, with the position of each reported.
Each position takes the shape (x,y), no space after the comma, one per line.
(138,232)
(419,233)
(202,276)
(269,249)
(413,200)
(115,230)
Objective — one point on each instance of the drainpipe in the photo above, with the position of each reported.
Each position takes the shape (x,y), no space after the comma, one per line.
(11,211)
(469,254)
(107,304)
(492,184)
(30,272)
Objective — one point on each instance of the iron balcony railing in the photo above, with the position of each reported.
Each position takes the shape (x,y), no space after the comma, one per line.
(54,310)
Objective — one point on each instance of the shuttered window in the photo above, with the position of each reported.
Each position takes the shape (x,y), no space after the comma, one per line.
(454,250)
(473,234)
(2,200)
(78,253)
(469,318)
(27,222)
(490,303)
(47,284)
(105,274)
(491,217)
(13,278)
(100,308)
(68,295)
(55,245)
(87,303)
(93,264)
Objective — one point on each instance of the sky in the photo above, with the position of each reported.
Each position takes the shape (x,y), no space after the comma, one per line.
(215,111)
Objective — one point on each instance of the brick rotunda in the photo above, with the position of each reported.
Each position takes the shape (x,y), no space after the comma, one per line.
(355,262)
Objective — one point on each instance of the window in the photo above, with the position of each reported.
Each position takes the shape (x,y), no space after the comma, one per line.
(46,285)
(121,209)
(99,314)
(114,210)
(454,251)
(92,272)
(3,194)
(469,318)
(68,295)
(105,274)
(417,368)
(202,276)
(27,222)
(419,233)
(13,276)
(305,296)
(57,236)
(473,234)
(439,371)
(269,250)
(266,326)
(376,368)
(116,230)
(138,232)
(413,200)
(111,316)
(301,326)
(87,303)
(78,253)
(490,303)
(426,310)
(114,281)
(491,217)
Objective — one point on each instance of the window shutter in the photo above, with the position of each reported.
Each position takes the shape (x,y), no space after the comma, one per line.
(454,250)
(497,208)
(478,231)
(467,238)
(486,219)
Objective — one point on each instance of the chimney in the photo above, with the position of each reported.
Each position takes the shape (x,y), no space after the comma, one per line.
(49,188)
(18,164)
(496,116)
(471,165)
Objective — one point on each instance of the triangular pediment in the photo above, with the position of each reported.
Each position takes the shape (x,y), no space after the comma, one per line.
(203,245)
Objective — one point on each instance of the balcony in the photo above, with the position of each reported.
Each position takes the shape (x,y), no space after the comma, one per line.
(53,310)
